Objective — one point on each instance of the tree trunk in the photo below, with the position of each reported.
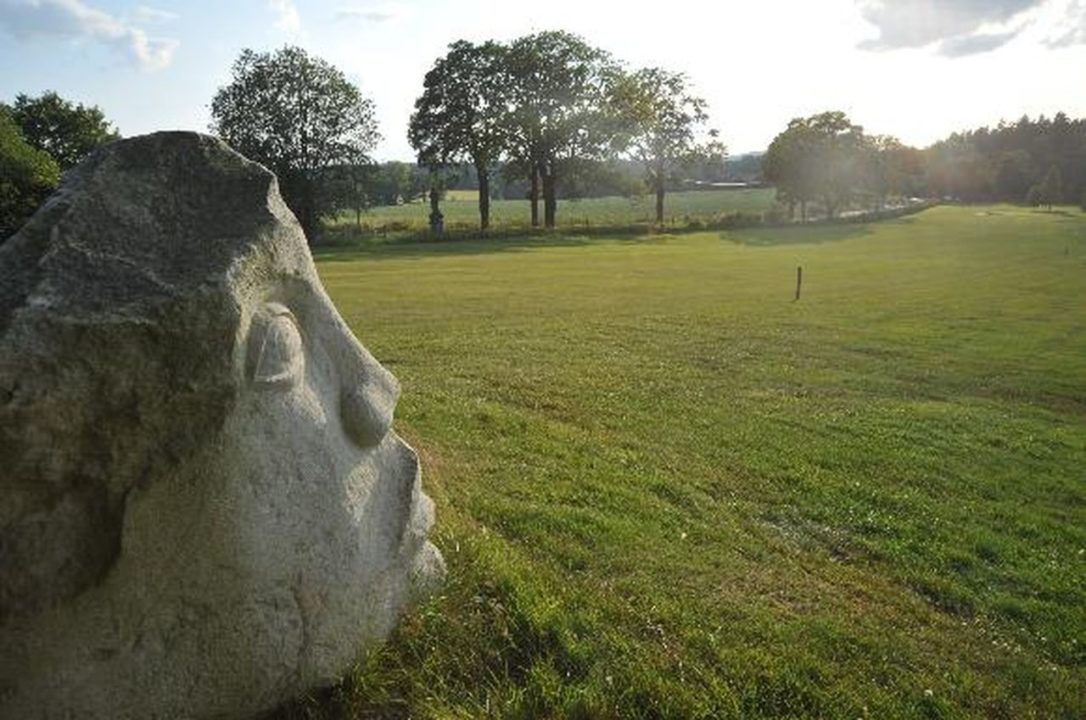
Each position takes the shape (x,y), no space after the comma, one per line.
(791,209)
(484,196)
(533,195)
(803,211)
(659,202)
(550,202)
(437,220)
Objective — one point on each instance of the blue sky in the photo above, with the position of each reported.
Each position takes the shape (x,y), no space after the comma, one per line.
(917,69)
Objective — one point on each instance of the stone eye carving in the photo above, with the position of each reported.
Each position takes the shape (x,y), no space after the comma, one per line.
(276,351)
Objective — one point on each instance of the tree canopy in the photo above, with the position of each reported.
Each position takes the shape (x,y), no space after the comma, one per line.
(558,108)
(27,176)
(299,116)
(821,156)
(788,165)
(662,121)
(459,115)
(559,113)
(67,131)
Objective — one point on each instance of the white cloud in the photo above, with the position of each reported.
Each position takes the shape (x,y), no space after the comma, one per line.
(149,16)
(74,20)
(287,18)
(955,27)
(1073,30)
(373,14)
(962,45)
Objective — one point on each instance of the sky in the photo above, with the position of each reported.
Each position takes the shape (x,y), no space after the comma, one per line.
(915,69)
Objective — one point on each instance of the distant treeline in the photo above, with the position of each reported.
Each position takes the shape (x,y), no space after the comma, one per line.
(1012,162)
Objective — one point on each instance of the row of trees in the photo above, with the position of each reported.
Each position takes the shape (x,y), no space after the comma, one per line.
(548,108)
(551,105)
(41,137)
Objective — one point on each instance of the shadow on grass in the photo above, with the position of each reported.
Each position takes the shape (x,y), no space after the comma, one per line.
(408,248)
(798,234)
(1052,212)
(740,228)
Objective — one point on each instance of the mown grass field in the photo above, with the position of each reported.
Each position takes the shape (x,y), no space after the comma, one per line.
(461,210)
(665,489)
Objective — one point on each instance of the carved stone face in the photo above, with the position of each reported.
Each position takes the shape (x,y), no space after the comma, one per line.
(271,528)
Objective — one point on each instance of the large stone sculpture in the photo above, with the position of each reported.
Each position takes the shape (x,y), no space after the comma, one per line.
(203,511)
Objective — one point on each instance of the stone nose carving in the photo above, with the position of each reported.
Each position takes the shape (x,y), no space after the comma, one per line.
(368,393)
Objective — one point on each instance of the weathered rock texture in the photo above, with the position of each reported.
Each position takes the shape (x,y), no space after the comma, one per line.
(203,511)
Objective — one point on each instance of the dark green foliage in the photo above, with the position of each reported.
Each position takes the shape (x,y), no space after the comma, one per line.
(39,138)
(737,168)
(890,170)
(558,111)
(65,130)
(1051,187)
(298,115)
(540,101)
(395,183)
(818,157)
(1004,162)
(459,115)
(1033,197)
(1048,191)
(27,176)
(347,188)
(785,166)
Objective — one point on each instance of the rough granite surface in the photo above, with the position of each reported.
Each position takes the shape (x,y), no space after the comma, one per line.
(203,509)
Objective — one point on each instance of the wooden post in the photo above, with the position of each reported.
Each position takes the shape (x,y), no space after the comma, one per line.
(799,281)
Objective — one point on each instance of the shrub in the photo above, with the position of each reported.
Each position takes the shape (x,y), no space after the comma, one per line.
(1033,197)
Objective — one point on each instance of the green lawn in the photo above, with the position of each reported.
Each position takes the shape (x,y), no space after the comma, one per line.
(666,490)
(461,210)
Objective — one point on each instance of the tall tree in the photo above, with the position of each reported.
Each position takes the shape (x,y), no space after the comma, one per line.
(298,115)
(663,121)
(559,89)
(818,156)
(459,115)
(65,130)
(27,176)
